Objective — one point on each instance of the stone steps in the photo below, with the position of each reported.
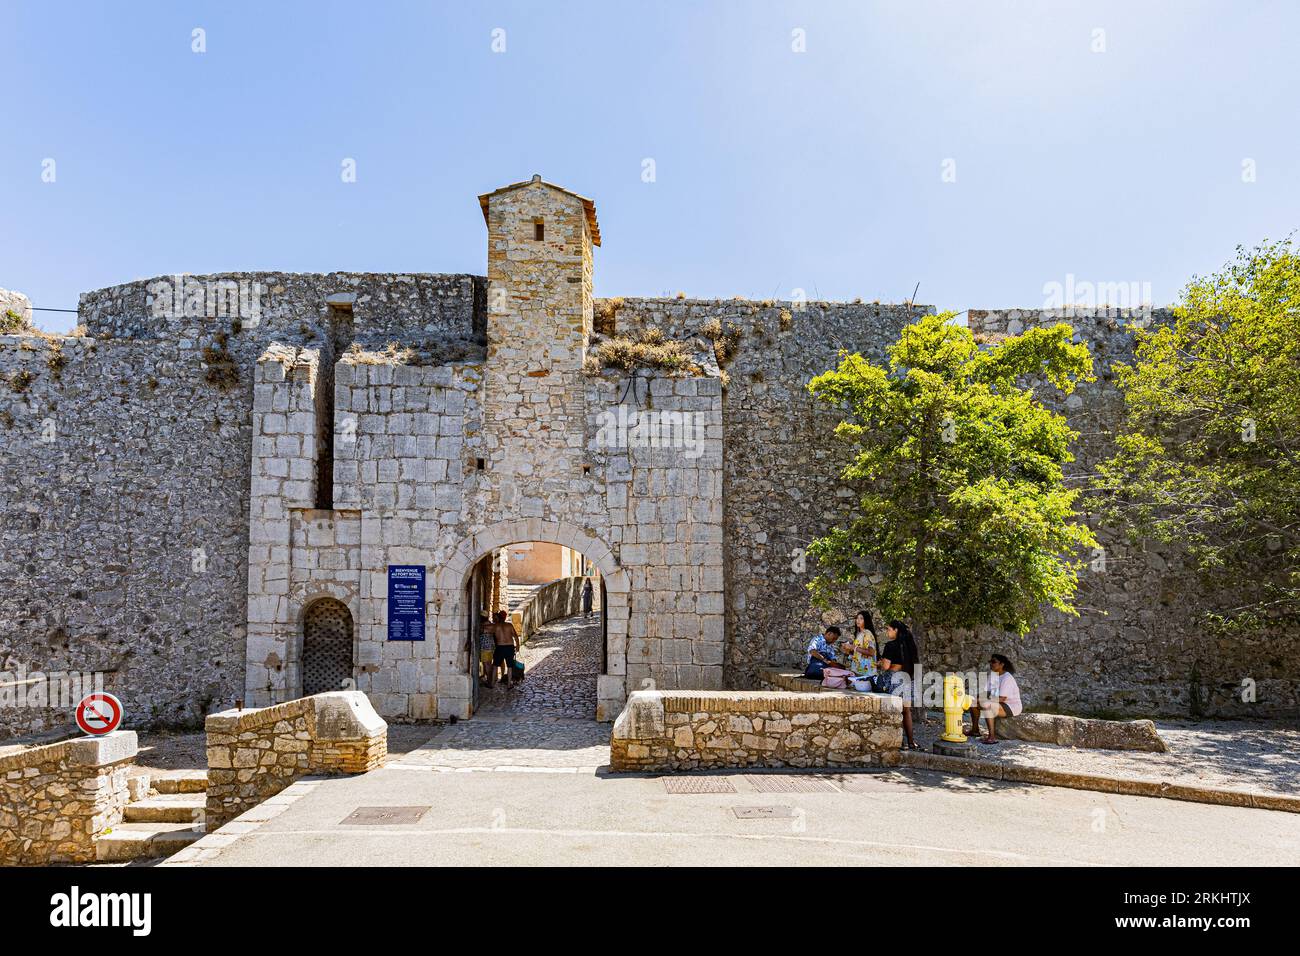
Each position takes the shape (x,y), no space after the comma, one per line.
(135,841)
(517,594)
(167,808)
(179,781)
(166,817)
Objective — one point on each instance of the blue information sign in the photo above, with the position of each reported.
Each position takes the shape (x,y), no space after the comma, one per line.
(406,602)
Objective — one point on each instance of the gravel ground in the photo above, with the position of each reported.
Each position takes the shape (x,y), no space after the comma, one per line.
(1232,754)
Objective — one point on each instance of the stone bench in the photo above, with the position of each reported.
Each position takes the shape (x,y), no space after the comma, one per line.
(788,679)
(694,730)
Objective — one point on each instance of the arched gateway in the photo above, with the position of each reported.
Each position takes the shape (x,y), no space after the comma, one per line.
(381,476)
(449,595)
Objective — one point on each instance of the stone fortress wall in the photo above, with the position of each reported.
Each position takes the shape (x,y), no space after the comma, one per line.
(176,490)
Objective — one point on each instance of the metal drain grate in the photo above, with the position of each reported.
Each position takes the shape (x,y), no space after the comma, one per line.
(383,816)
(698,785)
(772,783)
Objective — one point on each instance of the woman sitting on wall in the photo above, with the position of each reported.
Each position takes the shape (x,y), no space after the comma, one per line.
(897,658)
(862,651)
(1003,698)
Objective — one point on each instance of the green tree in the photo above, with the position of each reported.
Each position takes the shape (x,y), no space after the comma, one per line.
(965,518)
(1209,455)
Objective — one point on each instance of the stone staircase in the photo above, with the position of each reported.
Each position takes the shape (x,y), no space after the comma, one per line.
(518,594)
(166,818)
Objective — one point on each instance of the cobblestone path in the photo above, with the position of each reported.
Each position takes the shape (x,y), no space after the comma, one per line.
(519,742)
(561,661)
(547,722)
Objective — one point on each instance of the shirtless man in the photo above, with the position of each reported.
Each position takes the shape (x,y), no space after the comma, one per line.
(507,642)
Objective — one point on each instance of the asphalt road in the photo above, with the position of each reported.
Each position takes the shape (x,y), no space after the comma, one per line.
(572,816)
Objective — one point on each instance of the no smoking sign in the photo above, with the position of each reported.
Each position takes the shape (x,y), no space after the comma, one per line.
(99,713)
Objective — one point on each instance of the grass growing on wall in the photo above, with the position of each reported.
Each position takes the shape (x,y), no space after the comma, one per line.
(647,349)
(11,323)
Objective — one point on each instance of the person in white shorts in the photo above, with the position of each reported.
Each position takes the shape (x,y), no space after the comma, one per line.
(1003,698)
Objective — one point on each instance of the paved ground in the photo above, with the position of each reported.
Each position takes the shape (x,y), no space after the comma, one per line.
(561,661)
(525,782)
(1229,754)
(550,711)
(541,800)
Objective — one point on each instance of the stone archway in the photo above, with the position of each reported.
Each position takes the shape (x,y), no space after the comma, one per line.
(447,602)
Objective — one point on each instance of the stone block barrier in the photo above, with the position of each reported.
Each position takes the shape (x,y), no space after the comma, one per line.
(697,730)
(1083,732)
(56,799)
(254,754)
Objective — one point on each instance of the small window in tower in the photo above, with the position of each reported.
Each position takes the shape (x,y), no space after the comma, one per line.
(539,229)
(479,464)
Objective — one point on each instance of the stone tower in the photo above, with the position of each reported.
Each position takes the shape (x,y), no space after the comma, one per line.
(539,303)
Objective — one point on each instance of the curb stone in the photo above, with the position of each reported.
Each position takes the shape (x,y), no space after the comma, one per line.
(205,848)
(1126,786)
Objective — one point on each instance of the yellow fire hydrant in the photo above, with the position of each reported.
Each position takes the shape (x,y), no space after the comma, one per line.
(955,703)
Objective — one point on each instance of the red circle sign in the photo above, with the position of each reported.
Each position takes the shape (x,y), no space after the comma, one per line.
(99,713)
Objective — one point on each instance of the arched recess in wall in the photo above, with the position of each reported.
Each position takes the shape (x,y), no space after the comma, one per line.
(327,646)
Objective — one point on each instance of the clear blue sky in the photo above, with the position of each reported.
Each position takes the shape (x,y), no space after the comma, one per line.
(774,169)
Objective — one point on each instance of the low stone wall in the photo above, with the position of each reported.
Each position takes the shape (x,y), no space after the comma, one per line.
(56,799)
(562,598)
(1064,730)
(692,730)
(254,754)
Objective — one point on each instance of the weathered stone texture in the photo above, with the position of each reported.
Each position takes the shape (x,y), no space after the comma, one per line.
(254,754)
(56,799)
(683,730)
(781,486)
(179,486)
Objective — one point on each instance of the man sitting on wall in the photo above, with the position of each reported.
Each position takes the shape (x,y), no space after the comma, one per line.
(822,653)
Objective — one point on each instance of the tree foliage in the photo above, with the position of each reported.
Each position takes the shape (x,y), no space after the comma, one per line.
(1209,455)
(964,517)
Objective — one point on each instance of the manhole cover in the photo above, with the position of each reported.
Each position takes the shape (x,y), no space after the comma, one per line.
(771,783)
(383,816)
(763,813)
(698,785)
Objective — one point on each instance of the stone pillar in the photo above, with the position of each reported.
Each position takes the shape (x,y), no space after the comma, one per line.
(254,754)
(56,799)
